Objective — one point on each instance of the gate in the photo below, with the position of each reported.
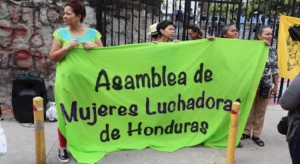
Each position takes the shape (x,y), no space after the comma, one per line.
(128,21)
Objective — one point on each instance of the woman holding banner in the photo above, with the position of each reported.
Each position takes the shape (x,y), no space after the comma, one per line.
(165,30)
(75,35)
(270,76)
(229,31)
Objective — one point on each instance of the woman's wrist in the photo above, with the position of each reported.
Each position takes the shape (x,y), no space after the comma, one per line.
(67,48)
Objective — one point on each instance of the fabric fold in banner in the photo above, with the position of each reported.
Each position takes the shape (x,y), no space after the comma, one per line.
(288,47)
(165,96)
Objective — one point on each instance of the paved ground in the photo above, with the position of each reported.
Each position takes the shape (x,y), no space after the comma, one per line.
(21,147)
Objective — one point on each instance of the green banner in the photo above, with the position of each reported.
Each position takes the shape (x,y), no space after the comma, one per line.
(165,96)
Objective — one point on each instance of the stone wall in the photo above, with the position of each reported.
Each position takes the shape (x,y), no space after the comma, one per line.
(26,28)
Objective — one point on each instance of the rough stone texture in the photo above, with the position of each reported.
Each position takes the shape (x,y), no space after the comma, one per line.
(25,36)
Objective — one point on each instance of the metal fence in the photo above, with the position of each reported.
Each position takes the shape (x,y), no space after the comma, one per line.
(128,21)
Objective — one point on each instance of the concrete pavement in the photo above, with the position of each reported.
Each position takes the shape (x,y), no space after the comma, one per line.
(21,147)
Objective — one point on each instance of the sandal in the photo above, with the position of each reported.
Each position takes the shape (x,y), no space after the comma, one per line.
(244,136)
(258,141)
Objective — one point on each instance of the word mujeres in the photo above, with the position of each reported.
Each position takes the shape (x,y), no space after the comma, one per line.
(150,80)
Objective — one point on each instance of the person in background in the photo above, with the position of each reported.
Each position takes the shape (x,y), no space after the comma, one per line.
(271,21)
(290,100)
(270,77)
(233,18)
(242,24)
(165,30)
(253,20)
(263,19)
(75,35)
(202,18)
(195,33)
(222,19)
(178,17)
(153,32)
(192,15)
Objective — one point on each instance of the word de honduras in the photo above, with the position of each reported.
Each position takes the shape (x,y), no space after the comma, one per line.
(164,96)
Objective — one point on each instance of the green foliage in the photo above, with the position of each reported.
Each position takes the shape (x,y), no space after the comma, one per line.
(272,7)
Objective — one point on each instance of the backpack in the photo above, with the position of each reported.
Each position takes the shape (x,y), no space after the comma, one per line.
(179,15)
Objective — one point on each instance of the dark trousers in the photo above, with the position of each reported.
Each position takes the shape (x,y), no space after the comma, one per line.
(294,146)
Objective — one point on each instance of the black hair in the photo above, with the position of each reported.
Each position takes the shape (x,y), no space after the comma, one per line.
(163,25)
(195,28)
(261,30)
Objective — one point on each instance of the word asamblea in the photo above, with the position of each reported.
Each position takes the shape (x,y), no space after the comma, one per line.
(151,79)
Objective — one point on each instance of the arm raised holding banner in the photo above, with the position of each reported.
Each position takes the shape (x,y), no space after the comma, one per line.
(65,39)
(75,35)
(261,100)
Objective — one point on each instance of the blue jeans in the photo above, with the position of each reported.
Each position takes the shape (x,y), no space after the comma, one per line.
(294,146)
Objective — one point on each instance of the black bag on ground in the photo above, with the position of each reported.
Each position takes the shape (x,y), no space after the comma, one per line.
(282,126)
(24,88)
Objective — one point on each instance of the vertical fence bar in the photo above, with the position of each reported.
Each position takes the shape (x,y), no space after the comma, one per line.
(293,8)
(167,5)
(207,21)
(146,19)
(251,20)
(187,7)
(289,3)
(152,21)
(99,21)
(139,21)
(104,8)
(112,24)
(126,12)
(199,19)
(246,17)
(195,9)
(119,13)
(238,17)
(132,20)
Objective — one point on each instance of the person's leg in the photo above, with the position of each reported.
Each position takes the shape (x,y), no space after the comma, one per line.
(294,147)
(62,151)
(259,116)
(62,140)
(258,120)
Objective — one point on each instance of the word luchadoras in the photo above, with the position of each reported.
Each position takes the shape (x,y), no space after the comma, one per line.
(150,80)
